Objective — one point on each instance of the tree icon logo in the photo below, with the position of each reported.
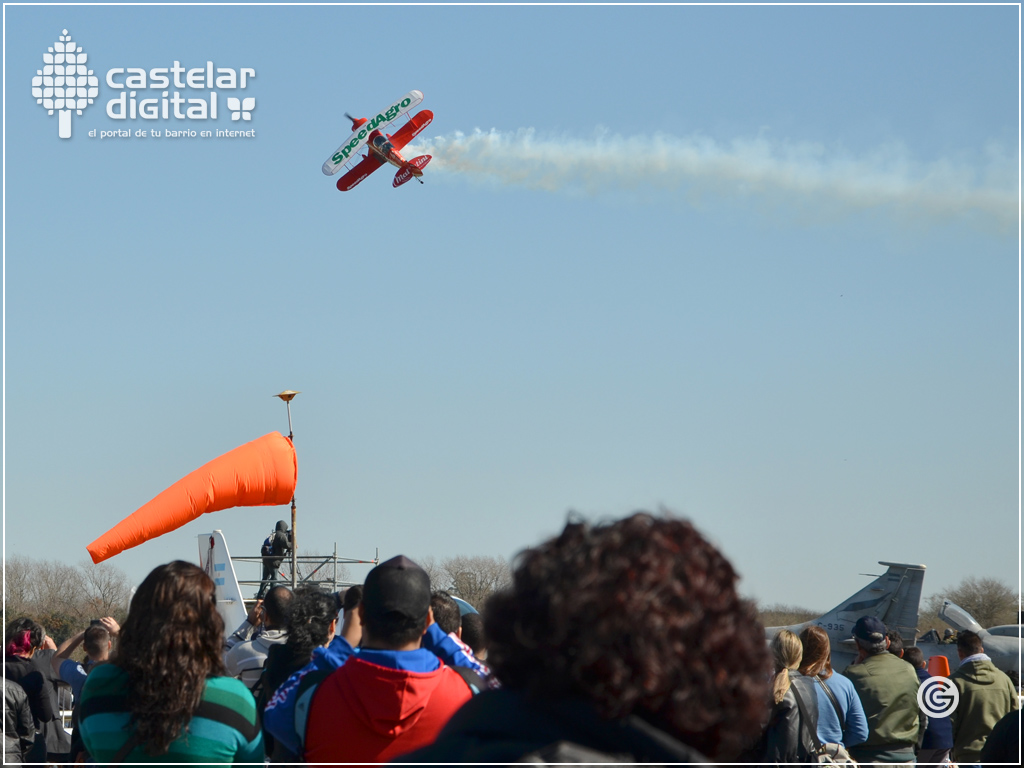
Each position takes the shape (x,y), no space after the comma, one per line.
(65,84)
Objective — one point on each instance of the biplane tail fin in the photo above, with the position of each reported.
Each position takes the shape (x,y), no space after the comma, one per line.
(412,169)
(412,129)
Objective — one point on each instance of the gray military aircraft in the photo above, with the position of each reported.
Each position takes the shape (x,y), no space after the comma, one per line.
(894,598)
(1002,643)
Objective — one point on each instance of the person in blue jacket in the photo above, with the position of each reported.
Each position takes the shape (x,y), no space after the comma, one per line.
(287,711)
(938,735)
(841,719)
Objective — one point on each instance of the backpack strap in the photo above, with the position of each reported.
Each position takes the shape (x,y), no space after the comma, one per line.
(257,692)
(472,679)
(810,729)
(835,703)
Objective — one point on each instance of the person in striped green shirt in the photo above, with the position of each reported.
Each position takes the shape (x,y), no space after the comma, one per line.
(164,697)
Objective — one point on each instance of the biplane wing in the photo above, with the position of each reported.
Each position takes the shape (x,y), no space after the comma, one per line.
(360,171)
(361,135)
(412,129)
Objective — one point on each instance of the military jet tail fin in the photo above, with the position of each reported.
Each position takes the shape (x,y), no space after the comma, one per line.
(894,598)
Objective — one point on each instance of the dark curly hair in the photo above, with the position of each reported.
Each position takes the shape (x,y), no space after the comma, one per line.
(309,625)
(171,642)
(641,616)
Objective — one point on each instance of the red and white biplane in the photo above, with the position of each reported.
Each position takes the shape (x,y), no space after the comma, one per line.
(382,147)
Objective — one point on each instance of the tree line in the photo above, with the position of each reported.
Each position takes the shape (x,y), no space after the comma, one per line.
(990,601)
(64,598)
(472,579)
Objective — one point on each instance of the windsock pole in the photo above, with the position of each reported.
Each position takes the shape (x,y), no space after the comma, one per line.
(288,395)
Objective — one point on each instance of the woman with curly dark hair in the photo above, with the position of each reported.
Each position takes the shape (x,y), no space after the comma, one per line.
(626,639)
(163,696)
(311,624)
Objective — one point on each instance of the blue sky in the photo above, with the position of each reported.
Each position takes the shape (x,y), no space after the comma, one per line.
(755,265)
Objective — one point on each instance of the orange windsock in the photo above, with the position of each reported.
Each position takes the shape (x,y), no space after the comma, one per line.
(260,473)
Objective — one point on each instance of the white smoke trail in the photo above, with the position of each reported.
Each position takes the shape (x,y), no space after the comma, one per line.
(776,172)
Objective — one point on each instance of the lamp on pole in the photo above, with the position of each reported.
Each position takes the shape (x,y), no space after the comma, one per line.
(288,395)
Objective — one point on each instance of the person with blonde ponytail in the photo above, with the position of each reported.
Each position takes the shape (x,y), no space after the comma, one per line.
(787,653)
(790,735)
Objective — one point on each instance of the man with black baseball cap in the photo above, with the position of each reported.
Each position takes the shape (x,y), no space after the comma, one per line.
(887,687)
(393,696)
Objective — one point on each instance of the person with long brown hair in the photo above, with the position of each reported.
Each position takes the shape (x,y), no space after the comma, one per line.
(841,719)
(164,696)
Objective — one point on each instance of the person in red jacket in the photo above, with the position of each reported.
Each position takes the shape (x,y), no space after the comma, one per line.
(392,696)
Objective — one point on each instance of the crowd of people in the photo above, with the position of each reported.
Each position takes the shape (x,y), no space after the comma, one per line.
(618,642)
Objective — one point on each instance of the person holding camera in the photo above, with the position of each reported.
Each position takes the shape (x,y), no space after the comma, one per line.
(27,662)
(97,641)
(268,621)
(275,547)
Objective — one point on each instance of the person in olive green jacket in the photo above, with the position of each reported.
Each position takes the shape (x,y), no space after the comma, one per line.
(986,695)
(887,687)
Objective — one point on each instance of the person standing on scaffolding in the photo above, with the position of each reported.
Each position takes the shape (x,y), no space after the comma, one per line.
(275,547)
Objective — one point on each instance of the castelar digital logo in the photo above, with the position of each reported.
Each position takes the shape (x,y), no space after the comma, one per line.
(155,97)
(65,85)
